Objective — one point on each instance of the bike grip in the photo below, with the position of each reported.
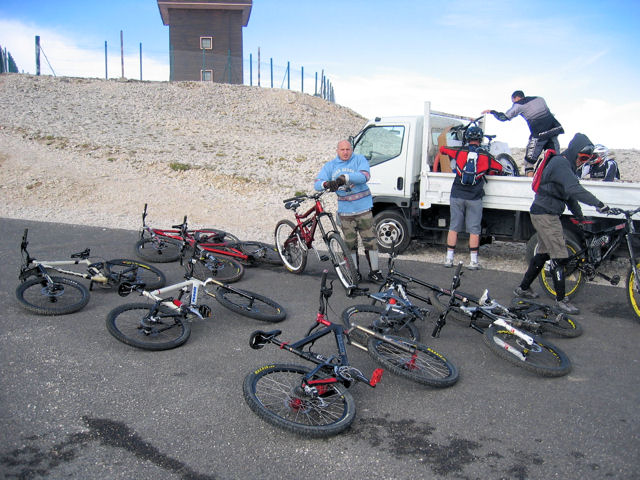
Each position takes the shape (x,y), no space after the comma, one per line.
(323,282)
(458,269)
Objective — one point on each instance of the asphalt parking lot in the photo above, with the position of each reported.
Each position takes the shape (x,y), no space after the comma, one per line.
(77,404)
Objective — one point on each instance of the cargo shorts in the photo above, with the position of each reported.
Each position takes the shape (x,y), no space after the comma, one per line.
(361,223)
(550,235)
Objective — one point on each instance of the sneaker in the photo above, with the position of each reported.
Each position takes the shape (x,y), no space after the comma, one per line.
(448,263)
(376,276)
(473,266)
(525,293)
(565,306)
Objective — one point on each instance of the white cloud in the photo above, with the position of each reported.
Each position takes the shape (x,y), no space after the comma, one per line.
(63,57)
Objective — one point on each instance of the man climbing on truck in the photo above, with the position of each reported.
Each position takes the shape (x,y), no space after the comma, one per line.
(543,125)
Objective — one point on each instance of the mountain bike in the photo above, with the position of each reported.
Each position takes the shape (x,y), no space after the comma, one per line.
(293,240)
(535,317)
(509,165)
(164,324)
(529,352)
(163,245)
(46,294)
(596,247)
(309,401)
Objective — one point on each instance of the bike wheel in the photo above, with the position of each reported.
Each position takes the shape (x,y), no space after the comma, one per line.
(250,304)
(574,278)
(292,251)
(342,260)
(157,250)
(213,235)
(541,358)
(633,291)
(374,318)
(130,271)
(509,165)
(563,326)
(223,269)
(275,394)
(260,252)
(134,324)
(61,297)
(421,364)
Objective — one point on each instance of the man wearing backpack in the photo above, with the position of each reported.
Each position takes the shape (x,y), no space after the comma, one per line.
(557,189)
(543,125)
(471,163)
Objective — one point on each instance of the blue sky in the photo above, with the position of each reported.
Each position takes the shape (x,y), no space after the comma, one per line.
(384,57)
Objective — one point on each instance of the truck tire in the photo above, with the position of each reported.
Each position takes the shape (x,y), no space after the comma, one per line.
(392,231)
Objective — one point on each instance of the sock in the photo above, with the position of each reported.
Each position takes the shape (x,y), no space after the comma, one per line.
(473,254)
(450,252)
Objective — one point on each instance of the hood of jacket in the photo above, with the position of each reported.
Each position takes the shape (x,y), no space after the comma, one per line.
(577,143)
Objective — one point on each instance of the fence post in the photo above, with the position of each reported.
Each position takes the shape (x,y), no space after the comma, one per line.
(37,54)
(258,66)
(122,53)
(251,70)
(271,61)
(288,77)
(302,81)
(140,61)
(106,77)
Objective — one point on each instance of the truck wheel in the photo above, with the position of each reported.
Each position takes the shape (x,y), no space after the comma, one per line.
(391,230)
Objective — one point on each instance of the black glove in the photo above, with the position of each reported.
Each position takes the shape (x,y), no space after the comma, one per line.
(341,180)
(331,185)
(602,208)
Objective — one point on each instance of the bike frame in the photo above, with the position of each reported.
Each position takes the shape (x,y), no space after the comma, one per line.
(306,229)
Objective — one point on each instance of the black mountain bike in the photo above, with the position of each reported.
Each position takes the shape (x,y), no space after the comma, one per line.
(501,335)
(310,401)
(598,246)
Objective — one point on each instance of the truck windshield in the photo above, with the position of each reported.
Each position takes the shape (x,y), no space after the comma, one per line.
(379,144)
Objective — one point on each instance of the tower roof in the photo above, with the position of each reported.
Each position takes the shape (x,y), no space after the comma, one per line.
(165,7)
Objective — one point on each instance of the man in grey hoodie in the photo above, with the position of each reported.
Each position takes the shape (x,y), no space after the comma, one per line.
(559,188)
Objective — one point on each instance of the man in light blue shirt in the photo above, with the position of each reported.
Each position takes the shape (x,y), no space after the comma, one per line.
(347,175)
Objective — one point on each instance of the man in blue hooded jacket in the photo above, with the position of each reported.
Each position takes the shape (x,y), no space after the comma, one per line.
(559,188)
(347,175)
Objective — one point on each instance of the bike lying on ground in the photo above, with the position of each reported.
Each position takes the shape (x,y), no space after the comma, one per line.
(163,245)
(164,324)
(46,294)
(293,241)
(314,402)
(502,337)
(535,317)
(597,246)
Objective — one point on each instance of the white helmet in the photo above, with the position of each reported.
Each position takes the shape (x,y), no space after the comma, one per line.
(601,153)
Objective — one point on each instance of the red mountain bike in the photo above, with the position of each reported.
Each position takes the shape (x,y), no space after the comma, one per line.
(293,241)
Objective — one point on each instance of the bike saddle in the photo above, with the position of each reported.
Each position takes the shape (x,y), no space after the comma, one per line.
(84,254)
(259,338)
(292,204)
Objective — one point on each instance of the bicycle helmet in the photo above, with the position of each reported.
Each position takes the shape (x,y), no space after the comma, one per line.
(473,133)
(600,154)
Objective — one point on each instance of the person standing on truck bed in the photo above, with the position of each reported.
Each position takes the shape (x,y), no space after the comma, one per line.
(559,188)
(543,126)
(471,163)
(347,175)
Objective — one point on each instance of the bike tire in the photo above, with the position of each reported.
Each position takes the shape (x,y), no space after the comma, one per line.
(273,393)
(541,358)
(129,323)
(261,252)
(157,250)
(373,317)
(424,365)
(567,327)
(633,292)
(509,165)
(440,302)
(342,260)
(215,236)
(62,297)
(574,278)
(152,277)
(257,306)
(223,269)
(292,253)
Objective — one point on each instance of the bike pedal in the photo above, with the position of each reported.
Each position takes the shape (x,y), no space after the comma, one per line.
(615,280)
(324,258)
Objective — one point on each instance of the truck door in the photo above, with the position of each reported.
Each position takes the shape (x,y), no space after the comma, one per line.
(382,145)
